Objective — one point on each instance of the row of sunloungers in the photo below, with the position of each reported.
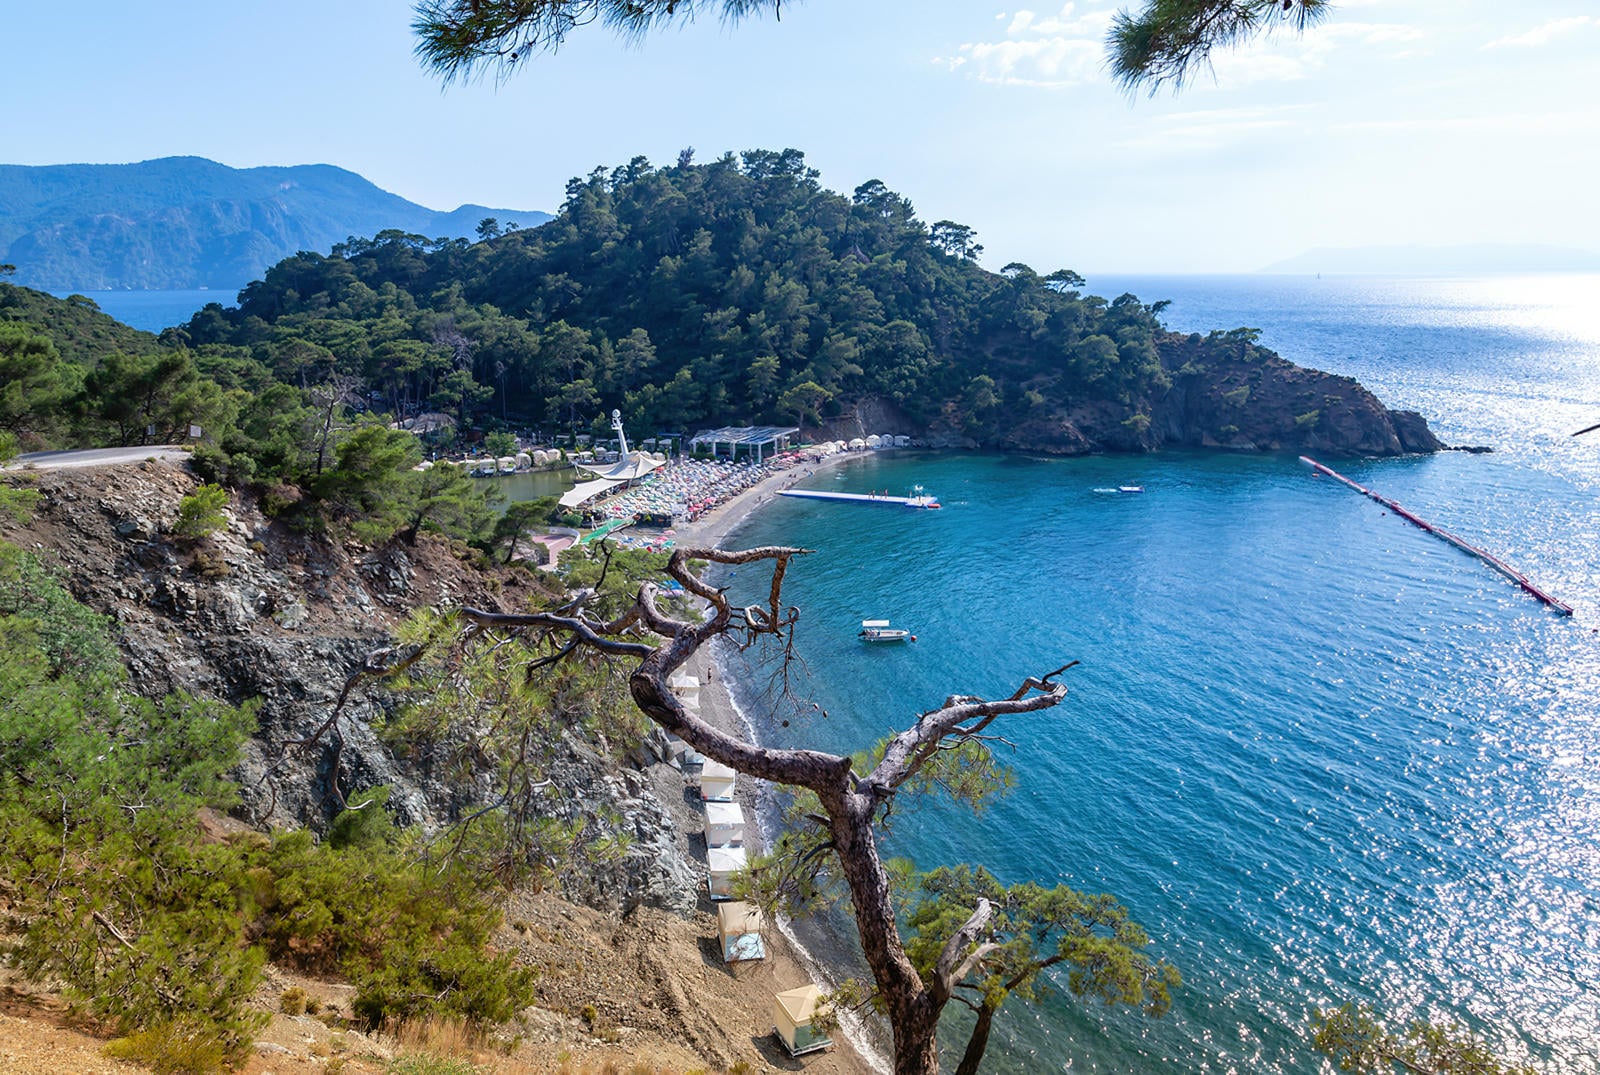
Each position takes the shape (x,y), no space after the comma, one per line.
(740,925)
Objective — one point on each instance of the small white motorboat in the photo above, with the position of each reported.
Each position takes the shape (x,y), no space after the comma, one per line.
(880,631)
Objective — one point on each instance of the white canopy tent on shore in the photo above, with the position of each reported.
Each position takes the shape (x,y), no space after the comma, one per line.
(739,927)
(721,864)
(585,491)
(724,824)
(794,1015)
(635,466)
(717,782)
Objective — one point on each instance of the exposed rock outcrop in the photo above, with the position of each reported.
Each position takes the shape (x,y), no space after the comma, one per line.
(1229,393)
(257,611)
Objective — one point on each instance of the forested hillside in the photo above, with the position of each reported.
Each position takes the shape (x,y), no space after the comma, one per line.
(742,291)
(187,222)
(688,296)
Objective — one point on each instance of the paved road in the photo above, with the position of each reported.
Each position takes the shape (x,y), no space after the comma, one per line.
(96,457)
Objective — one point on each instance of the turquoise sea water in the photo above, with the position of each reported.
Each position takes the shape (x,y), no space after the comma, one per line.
(1321,755)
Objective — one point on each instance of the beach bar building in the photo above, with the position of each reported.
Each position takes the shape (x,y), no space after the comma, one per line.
(794,1015)
(716,782)
(721,864)
(739,926)
(755,442)
(724,823)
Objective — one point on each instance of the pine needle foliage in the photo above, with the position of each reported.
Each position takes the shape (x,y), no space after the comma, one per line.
(1168,41)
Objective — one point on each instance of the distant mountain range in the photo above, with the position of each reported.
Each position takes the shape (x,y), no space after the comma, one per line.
(188,222)
(1439,260)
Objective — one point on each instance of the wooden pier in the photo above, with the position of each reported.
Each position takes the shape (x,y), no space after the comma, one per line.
(918,501)
(1487,557)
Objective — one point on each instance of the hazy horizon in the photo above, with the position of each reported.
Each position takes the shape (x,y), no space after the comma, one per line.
(1412,122)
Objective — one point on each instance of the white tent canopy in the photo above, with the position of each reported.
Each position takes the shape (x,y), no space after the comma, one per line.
(637,465)
(739,926)
(586,491)
(722,863)
(794,1012)
(717,782)
(724,823)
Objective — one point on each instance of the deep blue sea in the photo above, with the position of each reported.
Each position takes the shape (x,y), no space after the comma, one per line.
(1320,755)
(153,311)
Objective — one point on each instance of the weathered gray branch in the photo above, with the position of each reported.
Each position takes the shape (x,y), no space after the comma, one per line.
(955,961)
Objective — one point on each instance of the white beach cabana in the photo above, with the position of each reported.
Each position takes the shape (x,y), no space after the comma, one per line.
(794,1016)
(902,441)
(717,782)
(857,444)
(724,824)
(721,864)
(685,686)
(739,927)
(874,440)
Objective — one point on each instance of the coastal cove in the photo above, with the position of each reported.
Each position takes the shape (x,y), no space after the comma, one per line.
(1321,756)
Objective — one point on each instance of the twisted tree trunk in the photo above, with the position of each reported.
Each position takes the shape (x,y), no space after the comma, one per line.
(851,801)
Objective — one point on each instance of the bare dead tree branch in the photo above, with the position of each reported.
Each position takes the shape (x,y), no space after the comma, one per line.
(852,804)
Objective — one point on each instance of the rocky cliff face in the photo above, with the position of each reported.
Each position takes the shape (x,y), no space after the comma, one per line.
(260,612)
(1231,395)
(1228,395)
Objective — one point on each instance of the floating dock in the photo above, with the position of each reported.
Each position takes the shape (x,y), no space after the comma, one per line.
(1487,557)
(919,501)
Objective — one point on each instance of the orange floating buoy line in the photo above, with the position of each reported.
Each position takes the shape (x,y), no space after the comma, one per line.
(1487,557)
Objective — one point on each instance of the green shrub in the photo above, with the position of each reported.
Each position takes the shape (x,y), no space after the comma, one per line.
(173,1049)
(114,898)
(200,513)
(427,1064)
(364,822)
(411,941)
(293,1001)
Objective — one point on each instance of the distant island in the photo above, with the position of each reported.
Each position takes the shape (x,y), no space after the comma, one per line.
(188,222)
(1439,260)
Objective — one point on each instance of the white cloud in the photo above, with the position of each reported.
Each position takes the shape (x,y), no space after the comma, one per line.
(1542,35)
(1067,48)
(1063,49)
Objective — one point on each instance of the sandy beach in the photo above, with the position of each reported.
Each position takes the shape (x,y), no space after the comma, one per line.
(718,709)
(711,529)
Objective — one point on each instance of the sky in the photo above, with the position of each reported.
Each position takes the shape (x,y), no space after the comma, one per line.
(1397,122)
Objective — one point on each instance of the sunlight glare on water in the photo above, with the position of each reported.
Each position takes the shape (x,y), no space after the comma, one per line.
(1322,756)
